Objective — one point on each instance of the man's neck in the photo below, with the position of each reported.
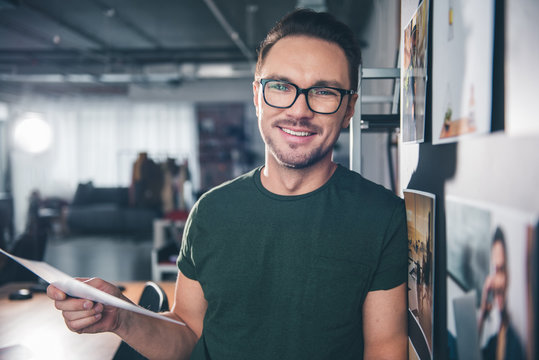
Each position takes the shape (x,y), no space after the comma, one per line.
(282,180)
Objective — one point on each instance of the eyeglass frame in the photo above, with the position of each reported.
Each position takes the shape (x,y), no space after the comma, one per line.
(305,92)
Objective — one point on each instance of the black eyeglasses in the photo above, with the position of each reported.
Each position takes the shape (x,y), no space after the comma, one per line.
(282,94)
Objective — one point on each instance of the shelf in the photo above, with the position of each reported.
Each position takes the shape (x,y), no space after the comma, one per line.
(160,240)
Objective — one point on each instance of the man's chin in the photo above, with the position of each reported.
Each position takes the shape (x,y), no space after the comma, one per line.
(293,165)
(298,162)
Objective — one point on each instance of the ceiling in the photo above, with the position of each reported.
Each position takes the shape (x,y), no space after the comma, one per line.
(115,42)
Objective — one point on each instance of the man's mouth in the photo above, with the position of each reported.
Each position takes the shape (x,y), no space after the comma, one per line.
(297,133)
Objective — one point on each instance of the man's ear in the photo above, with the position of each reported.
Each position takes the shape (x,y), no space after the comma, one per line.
(350,108)
(255,95)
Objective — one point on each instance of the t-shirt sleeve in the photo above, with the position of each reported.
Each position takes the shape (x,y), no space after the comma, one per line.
(185,260)
(393,264)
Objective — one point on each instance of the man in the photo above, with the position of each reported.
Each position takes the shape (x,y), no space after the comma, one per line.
(505,344)
(298,259)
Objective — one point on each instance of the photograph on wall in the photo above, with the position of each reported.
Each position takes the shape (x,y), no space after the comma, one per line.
(489,300)
(521,70)
(533,290)
(420,221)
(462,57)
(414,75)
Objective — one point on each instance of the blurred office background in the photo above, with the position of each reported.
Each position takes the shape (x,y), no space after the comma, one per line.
(115,115)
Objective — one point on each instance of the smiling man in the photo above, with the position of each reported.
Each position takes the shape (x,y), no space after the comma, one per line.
(300,258)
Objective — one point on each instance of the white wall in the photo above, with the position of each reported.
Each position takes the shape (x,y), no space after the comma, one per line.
(4,112)
(501,168)
(497,167)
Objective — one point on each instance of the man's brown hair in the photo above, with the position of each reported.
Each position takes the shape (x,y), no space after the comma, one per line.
(319,25)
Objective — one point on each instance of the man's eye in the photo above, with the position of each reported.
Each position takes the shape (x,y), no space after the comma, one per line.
(279,86)
(324,92)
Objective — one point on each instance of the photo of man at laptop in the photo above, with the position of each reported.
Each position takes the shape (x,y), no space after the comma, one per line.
(505,344)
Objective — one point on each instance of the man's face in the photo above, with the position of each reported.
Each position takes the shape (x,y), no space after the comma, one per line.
(500,274)
(297,137)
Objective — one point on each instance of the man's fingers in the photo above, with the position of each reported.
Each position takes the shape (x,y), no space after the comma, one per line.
(82,321)
(76,315)
(55,294)
(82,325)
(71,304)
(83,315)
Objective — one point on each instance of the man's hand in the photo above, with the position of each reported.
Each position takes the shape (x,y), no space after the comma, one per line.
(153,338)
(85,316)
(486,303)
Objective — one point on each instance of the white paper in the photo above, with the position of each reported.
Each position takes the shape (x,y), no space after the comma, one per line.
(75,288)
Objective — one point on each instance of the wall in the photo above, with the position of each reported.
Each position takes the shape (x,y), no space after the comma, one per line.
(3,145)
(381,50)
(497,168)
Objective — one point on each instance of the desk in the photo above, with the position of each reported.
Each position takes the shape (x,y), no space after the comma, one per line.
(34,329)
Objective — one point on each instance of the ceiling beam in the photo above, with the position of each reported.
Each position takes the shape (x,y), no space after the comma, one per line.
(70,26)
(114,14)
(25,31)
(173,75)
(66,61)
(30,56)
(172,54)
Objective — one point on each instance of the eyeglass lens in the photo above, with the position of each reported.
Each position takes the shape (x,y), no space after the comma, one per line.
(283,95)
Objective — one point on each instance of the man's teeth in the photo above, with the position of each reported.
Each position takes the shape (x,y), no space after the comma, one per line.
(296,133)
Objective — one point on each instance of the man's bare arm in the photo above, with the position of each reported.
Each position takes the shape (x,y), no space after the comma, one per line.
(385,324)
(153,338)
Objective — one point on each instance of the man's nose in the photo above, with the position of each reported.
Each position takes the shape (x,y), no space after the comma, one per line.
(300,108)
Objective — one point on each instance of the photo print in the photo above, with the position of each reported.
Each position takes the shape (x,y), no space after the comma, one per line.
(462,57)
(420,221)
(489,302)
(414,75)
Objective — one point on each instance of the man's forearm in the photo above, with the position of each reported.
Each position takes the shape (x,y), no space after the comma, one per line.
(157,339)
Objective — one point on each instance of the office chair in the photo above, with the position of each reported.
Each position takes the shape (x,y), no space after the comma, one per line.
(153,298)
(30,245)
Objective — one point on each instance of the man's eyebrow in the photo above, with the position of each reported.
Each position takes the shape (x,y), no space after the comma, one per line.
(328,83)
(277,77)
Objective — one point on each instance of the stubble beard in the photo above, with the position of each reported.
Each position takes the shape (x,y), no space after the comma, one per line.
(296,161)
(287,156)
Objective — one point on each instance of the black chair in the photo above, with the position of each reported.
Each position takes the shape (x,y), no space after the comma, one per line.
(31,244)
(153,298)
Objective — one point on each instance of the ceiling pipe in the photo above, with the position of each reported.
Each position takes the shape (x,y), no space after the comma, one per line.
(250,13)
(230,31)
(186,72)
(316,5)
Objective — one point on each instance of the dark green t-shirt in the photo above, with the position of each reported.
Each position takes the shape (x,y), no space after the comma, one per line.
(285,277)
